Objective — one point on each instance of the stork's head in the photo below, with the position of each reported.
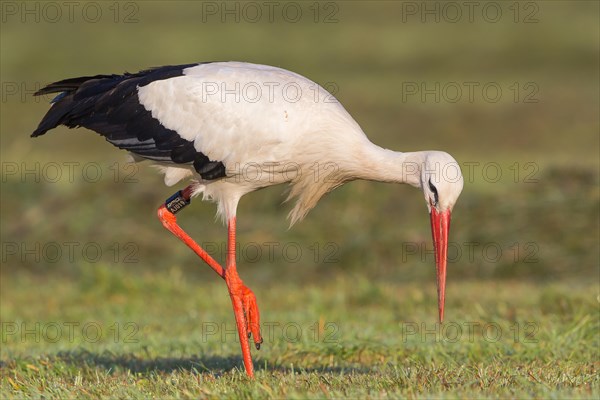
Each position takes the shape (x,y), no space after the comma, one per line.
(442,182)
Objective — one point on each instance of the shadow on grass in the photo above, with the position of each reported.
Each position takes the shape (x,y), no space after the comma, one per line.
(211,364)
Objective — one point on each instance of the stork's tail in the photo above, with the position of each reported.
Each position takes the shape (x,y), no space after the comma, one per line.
(63,105)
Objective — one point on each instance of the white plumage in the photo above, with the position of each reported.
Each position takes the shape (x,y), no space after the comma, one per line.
(252,116)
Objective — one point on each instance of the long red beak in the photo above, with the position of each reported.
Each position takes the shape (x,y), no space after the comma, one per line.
(440,225)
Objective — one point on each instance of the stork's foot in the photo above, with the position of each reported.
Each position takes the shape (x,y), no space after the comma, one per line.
(252,316)
(247,317)
(247,300)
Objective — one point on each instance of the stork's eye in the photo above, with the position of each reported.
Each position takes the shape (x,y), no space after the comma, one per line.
(434,191)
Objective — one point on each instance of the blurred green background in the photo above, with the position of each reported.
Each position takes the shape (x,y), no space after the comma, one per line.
(80,239)
(538,220)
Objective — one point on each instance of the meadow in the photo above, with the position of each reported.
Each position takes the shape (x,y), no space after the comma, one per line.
(97,300)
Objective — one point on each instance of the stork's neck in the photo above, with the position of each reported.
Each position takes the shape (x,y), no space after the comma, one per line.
(383,165)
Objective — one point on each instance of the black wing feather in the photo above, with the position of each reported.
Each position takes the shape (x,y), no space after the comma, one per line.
(109,105)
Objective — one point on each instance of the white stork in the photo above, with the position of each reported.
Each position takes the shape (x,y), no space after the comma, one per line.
(210,121)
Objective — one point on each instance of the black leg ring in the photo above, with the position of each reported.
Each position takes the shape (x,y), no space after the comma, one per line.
(176,202)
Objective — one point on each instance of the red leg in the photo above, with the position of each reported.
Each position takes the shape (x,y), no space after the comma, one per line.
(240,298)
(243,299)
(248,298)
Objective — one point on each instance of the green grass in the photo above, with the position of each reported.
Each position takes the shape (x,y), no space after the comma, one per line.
(144,318)
(341,337)
(364,325)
